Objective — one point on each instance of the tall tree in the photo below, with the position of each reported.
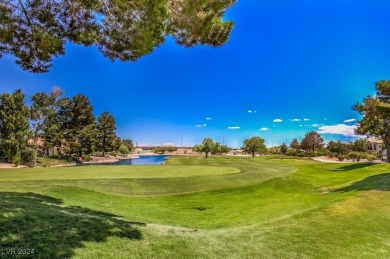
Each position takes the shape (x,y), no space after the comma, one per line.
(283,148)
(79,125)
(359,145)
(295,144)
(206,146)
(43,108)
(129,144)
(312,141)
(35,31)
(106,127)
(253,145)
(376,115)
(14,125)
(338,147)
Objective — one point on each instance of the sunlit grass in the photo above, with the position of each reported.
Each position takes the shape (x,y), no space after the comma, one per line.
(264,208)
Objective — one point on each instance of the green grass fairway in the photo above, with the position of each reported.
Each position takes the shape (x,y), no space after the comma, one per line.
(220,207)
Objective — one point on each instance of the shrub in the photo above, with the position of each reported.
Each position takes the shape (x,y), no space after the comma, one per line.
(341,158)
(123,150)
(28,157)
(370,157)
(114,153)
(353,156)
(311,154)
(86,158)
(291,152)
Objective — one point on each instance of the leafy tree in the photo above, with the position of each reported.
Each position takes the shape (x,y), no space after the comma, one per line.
(116,143)
(283,148)
(129,144)
(225,149)
(35,31)
(359,145)
(123,150)
(206,146)
(312,141)
(253,145)
(196,148)
(295,144)
(164,149)
(217,148)
(14,125)
(376,115)
(106,127)
(338,147)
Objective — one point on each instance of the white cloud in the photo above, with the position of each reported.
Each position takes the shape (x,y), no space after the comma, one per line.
(250,111)
(255,111)
(264,129)
(296,120)
(209,119)
(201,125)
(339,129)
(204,125)
(306,119)
(234,127)
(350,120)
(316,125)
(301,125)
(278,120)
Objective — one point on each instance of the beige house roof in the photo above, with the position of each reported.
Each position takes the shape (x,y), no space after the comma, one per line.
(374,141)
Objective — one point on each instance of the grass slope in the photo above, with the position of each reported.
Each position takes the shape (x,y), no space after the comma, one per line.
(271,209)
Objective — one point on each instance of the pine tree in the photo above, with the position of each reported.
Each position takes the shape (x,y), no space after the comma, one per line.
(14,125)
(77,124)
(106,127)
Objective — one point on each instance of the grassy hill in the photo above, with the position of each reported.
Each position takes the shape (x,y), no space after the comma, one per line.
(221,207)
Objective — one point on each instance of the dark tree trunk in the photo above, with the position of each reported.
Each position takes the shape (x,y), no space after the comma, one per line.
(207,154)
(253,154)
(388,153)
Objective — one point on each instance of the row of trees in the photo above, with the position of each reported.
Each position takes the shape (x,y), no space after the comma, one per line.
(209,146)
(67,126)
(311,145)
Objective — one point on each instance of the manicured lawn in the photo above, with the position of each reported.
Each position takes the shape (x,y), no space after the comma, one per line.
(221,207)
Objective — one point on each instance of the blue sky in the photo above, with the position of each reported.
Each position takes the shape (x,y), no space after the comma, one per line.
(284,60)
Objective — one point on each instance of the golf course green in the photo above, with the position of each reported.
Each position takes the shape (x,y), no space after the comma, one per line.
(193,207)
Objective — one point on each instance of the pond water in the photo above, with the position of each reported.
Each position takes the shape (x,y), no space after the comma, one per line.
(142,160)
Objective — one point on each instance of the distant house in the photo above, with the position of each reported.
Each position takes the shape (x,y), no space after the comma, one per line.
(375,145)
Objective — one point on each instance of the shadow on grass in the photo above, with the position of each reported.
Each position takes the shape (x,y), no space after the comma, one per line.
(354,166)
(32,221)
(376,182)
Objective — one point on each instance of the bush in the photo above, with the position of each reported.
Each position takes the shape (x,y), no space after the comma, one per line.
(354,156)
(370,157)
(86,158)
(341,158)
(291,152)
(114,153)
(124,150)
(311,154)
(28,157)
